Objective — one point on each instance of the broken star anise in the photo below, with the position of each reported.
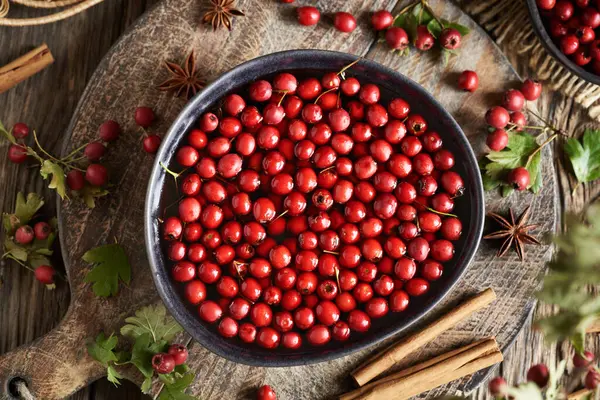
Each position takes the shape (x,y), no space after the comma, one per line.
(221,13)
(184,78)
(513,232)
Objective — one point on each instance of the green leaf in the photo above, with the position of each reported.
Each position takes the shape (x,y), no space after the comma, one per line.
(399,22)
(58,177)
(434,28)
(411,26)
(463,30)
(175,391)
(113,376)
(14,250)
(535,172)
(553,387)
(36,260)
(89,194)
(102,349)
(141,355)
(585,157)
(526,391)
(25,209)
(421,14)
(507,190)
(153,320)
(146,385)
(110,264)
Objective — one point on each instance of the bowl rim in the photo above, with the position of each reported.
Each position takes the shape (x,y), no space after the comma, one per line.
(542,33)
(162,279)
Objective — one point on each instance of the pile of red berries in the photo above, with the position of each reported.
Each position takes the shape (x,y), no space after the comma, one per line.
(573,25)
(540,375)
(310,208)
(510,115)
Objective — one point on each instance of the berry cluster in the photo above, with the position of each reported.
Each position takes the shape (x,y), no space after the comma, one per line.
(573,25)
(510,115)
(540,375)
(310,207)
(144,117)
(424,29)
(165,363)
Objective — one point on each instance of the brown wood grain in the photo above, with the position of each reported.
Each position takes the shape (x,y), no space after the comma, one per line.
(251,41)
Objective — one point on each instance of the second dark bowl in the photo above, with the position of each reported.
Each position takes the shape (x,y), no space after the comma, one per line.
(553,49)
(161,192)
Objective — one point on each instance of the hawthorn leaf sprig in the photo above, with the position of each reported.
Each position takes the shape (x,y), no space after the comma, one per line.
(35,252)
(573,269)
(145,335)
(110,265)
(584,156)
(53,169)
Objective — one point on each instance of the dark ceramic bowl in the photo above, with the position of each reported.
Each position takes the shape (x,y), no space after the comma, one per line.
(161,193)
(552,47)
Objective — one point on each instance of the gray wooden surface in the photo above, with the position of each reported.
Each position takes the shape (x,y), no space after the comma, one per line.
(32,312)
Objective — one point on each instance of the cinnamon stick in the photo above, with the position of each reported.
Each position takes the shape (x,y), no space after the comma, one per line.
(386,359)
(426,373)
(24,67)
(411,370)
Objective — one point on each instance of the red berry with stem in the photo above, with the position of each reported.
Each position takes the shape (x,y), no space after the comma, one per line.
(208,122)
(151,143)
(498,386)
(450,39)
(17,154)
(94,151)
(468,81)
(583,360)
(96,175)
(20,130)
(513,100)
(344,22)
(109,131)
(396,38)
(144,116)
(519,178)
(45,274)
(308,16)
(382,20)
(163,363)
(42,230)
(424,40)
(592,379)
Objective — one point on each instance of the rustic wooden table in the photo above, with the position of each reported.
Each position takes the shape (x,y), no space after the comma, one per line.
(49,99)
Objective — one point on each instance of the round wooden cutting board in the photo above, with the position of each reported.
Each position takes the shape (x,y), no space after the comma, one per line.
(57,364)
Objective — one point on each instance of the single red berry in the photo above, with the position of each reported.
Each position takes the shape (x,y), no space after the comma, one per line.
(498,387)
(450,39)
(42,230)
(17,154)
(546,4)
(208,122)
(497,117)
(344,22)
(513,100)
(94,151)
(519,178)
(424,40)
(398,301)
(382,20)
(20,130)
(45,274)
(163,363)
(531,89)
(308,16)
(266,392)
(109,131)
(210,311)
(144,116)
(583,360)
(592,379)
(497,140)
(539,375)
(96,175)
(569,44)
(396,38)
(151,143)
(468,81)
(179,353)
(590,17)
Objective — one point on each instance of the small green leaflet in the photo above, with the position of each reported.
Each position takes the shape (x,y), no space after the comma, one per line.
(57,181)
(89,194)
(585,156)
(113,376)
(553,388)
(110,264)
(434,28)
(497,164)
(25,209)
(153,320)
(7,135)
(141,356)
(175,390)
(463,30)
(526,391)
(102,349)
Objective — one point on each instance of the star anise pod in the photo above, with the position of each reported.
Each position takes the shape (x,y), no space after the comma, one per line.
(514,232)
(221,13)
(184,78)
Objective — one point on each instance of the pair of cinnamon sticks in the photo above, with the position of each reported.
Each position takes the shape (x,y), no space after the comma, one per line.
(432,373)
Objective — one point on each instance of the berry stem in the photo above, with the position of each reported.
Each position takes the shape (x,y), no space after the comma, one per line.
(547,141)
(285,92)
(342,72)
(77,150)
(548,124)
(435,211)
(325,92)
(280,215)
(427,7)
(331,252)
(407,8)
